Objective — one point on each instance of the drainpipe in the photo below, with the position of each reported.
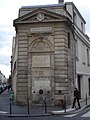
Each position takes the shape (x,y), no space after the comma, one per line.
(74,50)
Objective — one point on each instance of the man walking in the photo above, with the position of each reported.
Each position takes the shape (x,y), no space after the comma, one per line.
(76,97)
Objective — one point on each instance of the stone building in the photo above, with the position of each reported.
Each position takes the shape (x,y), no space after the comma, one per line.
(44,53)
(3,79)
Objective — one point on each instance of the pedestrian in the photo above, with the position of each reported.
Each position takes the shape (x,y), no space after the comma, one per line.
(9,87)
(76,97)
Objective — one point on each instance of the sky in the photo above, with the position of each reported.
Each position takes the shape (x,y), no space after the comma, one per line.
(9,11)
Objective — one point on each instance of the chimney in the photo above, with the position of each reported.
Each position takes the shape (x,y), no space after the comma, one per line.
(60,1)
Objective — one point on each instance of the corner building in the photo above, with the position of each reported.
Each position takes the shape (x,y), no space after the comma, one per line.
(43,53)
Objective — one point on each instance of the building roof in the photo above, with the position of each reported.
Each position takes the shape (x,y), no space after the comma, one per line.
(44,6)
(55,5)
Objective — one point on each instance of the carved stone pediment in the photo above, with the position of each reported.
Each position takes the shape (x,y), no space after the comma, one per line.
(39,15)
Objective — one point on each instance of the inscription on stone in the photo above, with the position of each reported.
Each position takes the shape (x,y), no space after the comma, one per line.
(41,71)
(41,61)
(41,29)
(41,83)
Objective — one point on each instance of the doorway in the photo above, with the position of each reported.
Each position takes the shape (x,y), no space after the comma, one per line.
(79,83)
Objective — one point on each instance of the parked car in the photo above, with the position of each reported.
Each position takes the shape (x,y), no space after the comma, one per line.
(3,87)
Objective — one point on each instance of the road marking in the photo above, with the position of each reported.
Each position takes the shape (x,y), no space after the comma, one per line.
(3,112)
(86,115)
(71,115)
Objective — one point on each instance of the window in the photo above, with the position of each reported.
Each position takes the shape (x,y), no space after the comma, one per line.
(15,65)
(81,26)
(83,53)
(74,18)
(68,40)
(77,49)
(88,56)
(89,86)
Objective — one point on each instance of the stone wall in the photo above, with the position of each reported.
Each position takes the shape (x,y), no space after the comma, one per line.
(22,65)
(43,64)
(44,60)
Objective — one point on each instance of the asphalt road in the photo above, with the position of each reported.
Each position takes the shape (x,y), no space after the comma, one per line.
(4,106)
(83,115)
(45,118)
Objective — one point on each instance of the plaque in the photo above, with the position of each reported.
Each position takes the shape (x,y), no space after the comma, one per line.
(42,83)
(41,61)
(41,30)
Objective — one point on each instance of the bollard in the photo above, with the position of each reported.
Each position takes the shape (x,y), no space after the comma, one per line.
(10,107)
(86,98)
(45,104)
(11,94)
(45,107)
(65,103)
(28,105)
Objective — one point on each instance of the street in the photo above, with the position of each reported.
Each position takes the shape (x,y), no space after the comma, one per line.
(83,115)
(36,113)
(53,117)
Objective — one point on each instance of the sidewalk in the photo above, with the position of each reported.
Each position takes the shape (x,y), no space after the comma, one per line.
(69,109)
(21,111)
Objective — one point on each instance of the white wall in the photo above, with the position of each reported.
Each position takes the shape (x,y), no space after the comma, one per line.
(82,67)
(71,8)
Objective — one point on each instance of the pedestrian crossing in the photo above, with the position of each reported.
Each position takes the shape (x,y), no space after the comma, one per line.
(87,114)
(84,115)
(71,115)
(3,112)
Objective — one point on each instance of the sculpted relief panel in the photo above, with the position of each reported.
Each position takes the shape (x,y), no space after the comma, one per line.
(41,39)
(40,46)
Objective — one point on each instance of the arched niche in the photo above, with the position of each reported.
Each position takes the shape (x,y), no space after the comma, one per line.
(41,45)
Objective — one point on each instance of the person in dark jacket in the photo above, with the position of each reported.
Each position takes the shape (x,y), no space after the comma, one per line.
(76,97)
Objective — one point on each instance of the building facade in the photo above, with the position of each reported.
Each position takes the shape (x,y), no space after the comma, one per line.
(3,79)
(44,53)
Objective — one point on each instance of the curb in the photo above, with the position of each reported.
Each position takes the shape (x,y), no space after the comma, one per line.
(72,111)
(59,113)
(87,106)
(83,108)
(29,115)
(69,112)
